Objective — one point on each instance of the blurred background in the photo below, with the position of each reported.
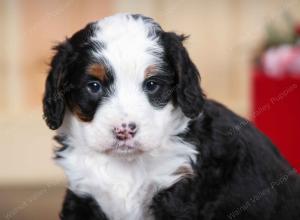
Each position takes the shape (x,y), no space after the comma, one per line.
(246,50)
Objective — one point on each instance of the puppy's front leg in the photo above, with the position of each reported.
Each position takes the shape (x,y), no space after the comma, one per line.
(80,208)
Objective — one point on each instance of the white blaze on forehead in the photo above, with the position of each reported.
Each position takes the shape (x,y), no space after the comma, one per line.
(129,44)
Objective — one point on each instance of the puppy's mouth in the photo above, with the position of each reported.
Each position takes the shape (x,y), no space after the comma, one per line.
(126,147)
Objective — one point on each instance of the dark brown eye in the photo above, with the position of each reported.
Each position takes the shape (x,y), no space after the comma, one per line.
(151,86)
(94,87)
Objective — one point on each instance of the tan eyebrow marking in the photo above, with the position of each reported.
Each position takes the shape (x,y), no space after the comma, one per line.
(150,71)
(98,71)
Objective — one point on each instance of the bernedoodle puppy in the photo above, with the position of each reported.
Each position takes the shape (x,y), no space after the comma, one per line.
(140,141)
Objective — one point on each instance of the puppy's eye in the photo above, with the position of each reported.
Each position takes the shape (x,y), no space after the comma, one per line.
(151,86)
(93,87)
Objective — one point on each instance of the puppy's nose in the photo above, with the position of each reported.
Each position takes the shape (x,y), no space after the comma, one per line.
(125,131)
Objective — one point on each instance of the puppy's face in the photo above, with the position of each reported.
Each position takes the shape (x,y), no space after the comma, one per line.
(121,86)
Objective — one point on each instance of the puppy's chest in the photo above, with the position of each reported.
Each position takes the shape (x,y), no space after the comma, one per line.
(122,190)
(125,189)
(124,199)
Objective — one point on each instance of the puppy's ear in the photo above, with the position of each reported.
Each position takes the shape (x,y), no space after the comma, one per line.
(189,95)
(56,85)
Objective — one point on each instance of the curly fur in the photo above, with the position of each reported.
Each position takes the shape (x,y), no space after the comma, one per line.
(194,165)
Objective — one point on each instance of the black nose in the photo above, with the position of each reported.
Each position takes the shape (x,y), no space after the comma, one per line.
(126,131)
(132,126)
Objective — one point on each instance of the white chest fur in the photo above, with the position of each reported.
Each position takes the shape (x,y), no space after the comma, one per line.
(124,188)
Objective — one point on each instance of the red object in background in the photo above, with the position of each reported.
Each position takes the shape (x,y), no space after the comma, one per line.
(276,112)
(297,29)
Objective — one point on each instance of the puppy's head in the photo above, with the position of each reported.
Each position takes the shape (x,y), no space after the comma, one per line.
(122,85)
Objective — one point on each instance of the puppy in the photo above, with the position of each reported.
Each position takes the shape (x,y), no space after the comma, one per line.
(140,141)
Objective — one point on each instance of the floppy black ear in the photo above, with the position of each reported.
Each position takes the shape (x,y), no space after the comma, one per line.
(53,101)
(189,95)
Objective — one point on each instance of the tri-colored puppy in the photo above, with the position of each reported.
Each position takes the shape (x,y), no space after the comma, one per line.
(141,142)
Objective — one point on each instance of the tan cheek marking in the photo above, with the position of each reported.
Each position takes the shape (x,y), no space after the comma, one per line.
(98,71)
(80,115)
(75,109)
(150,71)
(185,171)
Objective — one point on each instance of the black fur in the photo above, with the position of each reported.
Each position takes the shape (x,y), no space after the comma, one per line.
(239,174)
(83,208)
(53,102)
(189,95)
